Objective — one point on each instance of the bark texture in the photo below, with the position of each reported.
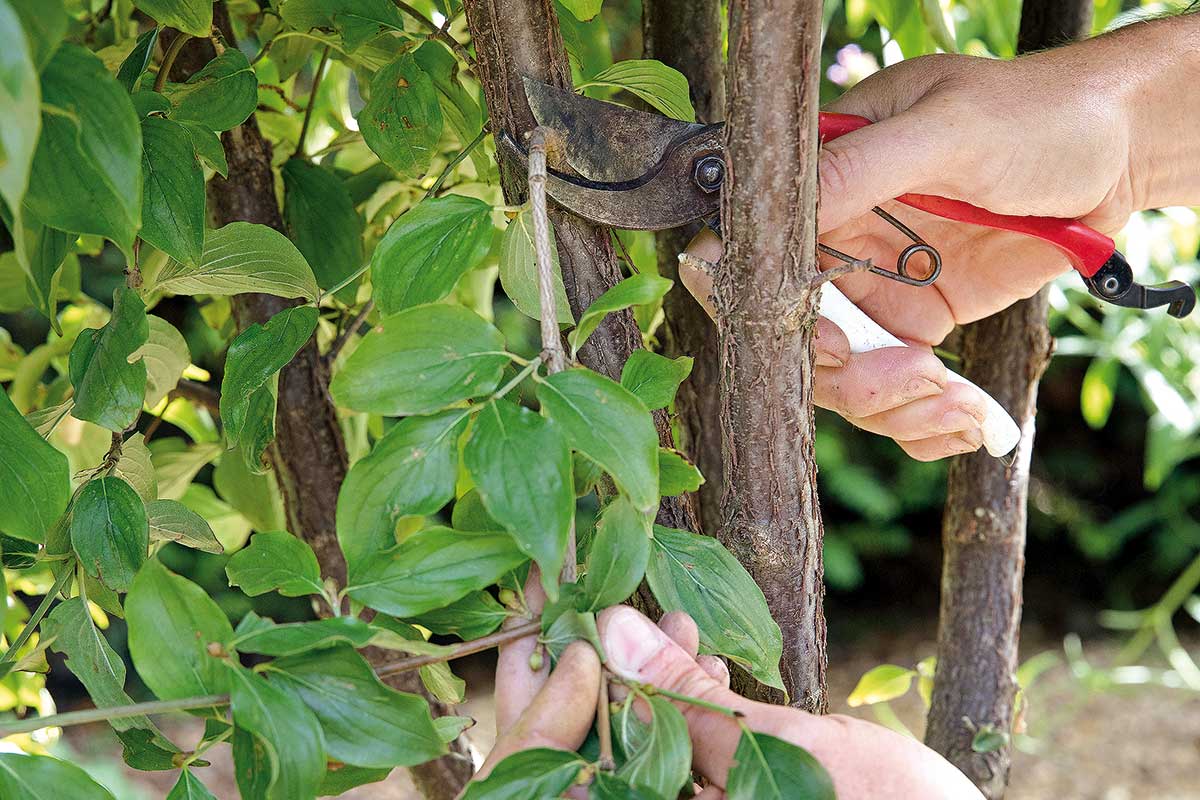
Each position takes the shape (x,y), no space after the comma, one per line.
(686,35)
(766,310)
(513,38)
(309,451)
(983,530)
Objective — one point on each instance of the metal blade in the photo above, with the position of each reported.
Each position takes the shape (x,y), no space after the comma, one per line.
(605,141)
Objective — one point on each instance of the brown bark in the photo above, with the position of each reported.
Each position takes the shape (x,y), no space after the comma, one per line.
(983,530)
(766,311)
(309,452)
(513,38)
(686,35)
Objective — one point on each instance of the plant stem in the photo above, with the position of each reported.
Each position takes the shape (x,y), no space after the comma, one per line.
(520,376)
(10,656)
(437,33)
(160,80)
(345,282)
(462,649)
(650,689)
(340,342)
(466,151)
(312,101)
(603,728)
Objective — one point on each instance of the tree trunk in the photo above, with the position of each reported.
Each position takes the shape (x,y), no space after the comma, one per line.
(983,531)
(309,452)
(686,35)
(766,311)
(515,38)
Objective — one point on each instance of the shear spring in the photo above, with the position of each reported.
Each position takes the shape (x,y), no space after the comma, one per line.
(901,272)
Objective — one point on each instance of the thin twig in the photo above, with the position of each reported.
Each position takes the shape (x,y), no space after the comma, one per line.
(466,151)
(840,271)
(438,33)
(603,728)
(312,102)
(552,349)
(160,80)
(10,657)
(340,342)
(462,649)
(200,394)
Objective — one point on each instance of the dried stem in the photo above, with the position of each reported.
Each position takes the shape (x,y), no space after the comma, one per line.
(840,271)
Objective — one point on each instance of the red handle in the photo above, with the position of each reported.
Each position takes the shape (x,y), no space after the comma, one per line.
(1087,249)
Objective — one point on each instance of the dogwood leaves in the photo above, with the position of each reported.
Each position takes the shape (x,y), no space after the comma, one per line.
(402,120)
(38,484)
(172,190)
(20,96)
(109,531)
(771,769)
(109,389)
(242,257)
(193,17)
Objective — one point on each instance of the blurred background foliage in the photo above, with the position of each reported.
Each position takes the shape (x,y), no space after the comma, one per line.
(1115,496)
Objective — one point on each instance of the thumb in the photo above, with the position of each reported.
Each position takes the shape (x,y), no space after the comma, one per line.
(875,164)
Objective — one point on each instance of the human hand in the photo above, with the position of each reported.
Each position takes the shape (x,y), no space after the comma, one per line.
(864,760)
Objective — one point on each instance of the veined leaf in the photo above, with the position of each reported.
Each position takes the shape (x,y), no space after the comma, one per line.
(275,561)
(25,777)
(880,684)
(41,252)
(172,521)
(521,466)
(519,271)
(108,376)
(243,257)
(422,360)
(189,787)
(135,63)
(659,751)
(676,474)
(539,772)
(358,21)
(109,531)
(618,554)
(653,378)
(87,171)
(135,467)
(606,423)
(633,291)
(661,86)
(208,148)
(459,107)
(322,221)
(767,768)
(694,573)
(220,96)
(257,635)
(473,616)
(20,97)
(38,484)
(402,121)
(45,23)
(582,10)
(193,17)
(172,191)
(166,356)
(427,249)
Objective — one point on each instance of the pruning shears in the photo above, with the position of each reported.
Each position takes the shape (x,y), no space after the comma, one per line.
(641,171)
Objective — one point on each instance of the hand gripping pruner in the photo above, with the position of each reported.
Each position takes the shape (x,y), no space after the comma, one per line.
(639,171)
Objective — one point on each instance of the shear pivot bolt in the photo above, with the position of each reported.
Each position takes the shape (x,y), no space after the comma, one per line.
(710,173)
(1110,285)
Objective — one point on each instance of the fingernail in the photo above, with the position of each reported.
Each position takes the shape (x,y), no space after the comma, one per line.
(827,359)
(920,387)
(958,419)
(963,443)
(630,641)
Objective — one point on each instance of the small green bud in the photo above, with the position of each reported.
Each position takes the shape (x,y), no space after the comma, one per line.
(536,660)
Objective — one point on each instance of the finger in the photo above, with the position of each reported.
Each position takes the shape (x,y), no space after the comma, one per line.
(958,409)
(711,793)
(830,344)
(560,715)
(879,380)
(716,668)
(950,444)
(682,630)
(516,683)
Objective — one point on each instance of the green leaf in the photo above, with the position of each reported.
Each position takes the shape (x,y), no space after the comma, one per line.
(17,553)
(135,63)
(653,81)
(322,221)
(441,682)
(521,466)
(135,467)
(172,521)
(25,777)
(653,378)
(45,23)
(41,252)
(172,191)
(255,356)
(471,617)
(519,271)
(450,728)
(427,249)
(1098,391)
(109,378)
(402,121)
(189,787)
(432,568)
(87,171)
(20,97)
(676,474)
(208,148)
(880,684)
(607,786)
(659,752)
(166,356)
(570,626)
(176,464)
(767,768)
(37,485)
(459,106)
(340,779)
(609,425)
(409,473)
(357,20)
(220,96)
(422,360)
(694,573)
(365,722)
(90,658)
(109,531)
(243,257)
(988,740)
(275,561)
(618,555)
(296,638)
(582,10)
(637,290)
(193,17)
(147,102)
(171,623)
(286,734)
(149,750)
(255,495)
(539,772)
